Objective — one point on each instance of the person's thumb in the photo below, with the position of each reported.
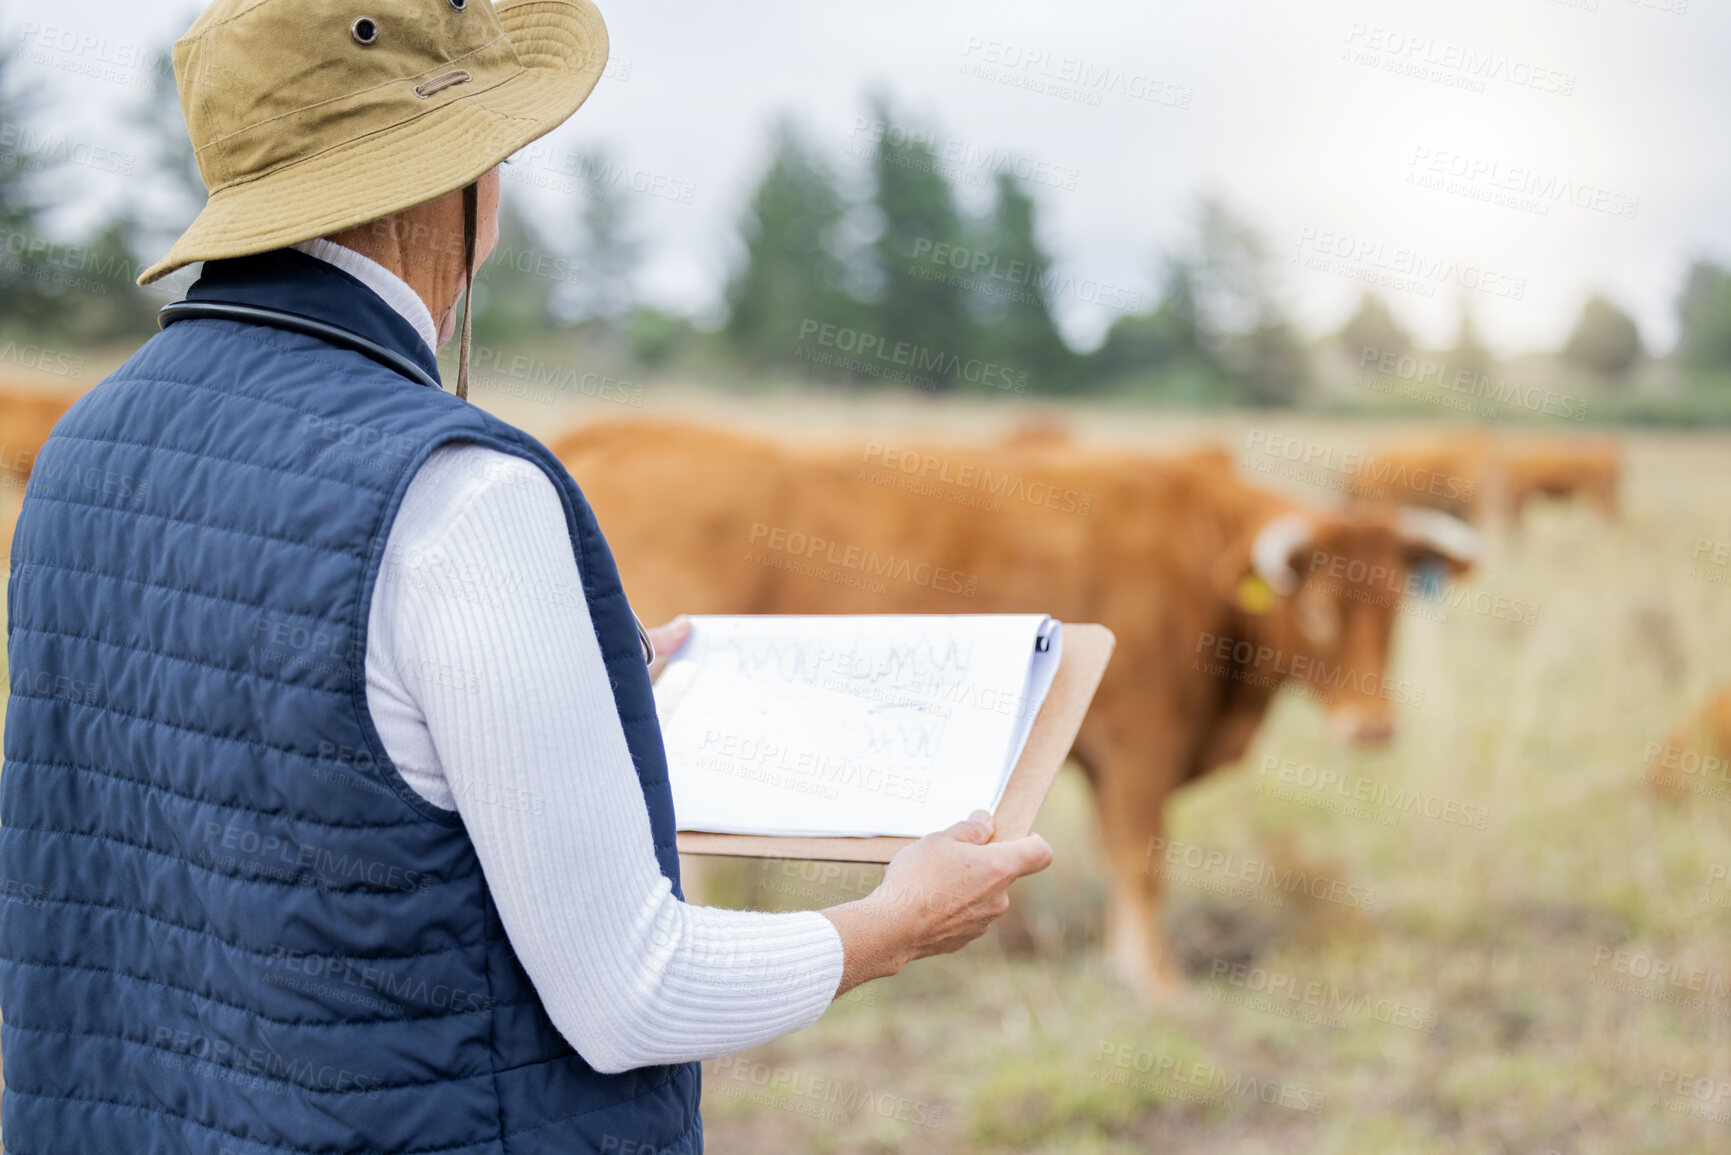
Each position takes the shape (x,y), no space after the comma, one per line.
(976,828)
(670,637)
(1027,855)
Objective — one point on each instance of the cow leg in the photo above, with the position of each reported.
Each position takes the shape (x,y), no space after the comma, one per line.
(1129,795)
(1136,946)
(1014,930)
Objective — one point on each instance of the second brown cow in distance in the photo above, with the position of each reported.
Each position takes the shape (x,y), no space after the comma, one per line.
(1219,593)
(1480,476)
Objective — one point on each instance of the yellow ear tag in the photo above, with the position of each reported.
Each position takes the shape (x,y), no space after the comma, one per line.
(1255,595)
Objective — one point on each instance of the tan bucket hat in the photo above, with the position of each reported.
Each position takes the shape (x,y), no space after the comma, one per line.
(312,116)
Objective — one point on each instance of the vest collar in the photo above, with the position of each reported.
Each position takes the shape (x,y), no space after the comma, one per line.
(294,282)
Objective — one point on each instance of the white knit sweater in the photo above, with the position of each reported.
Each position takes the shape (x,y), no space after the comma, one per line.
(486,683)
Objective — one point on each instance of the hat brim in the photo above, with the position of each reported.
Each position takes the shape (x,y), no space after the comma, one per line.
(562,45)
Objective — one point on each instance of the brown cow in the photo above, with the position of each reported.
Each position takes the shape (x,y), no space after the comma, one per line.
(1589,467)
(1453,473)
(27,416)
(1218,592)
(1471,474)
(1696,758)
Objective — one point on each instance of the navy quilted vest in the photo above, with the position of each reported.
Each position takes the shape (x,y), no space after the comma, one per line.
(229,927)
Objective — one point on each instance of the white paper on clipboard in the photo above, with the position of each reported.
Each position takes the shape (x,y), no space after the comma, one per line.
(850,725)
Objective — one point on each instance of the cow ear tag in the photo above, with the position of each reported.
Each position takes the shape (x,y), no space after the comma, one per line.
(1255,595)
(1430,574)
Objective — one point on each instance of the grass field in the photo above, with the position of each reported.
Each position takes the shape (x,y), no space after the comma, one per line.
(1497,995)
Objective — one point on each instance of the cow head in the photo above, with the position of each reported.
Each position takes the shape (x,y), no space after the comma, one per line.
(1318,594)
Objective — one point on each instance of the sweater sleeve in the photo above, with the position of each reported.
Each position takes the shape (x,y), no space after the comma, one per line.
(486,682)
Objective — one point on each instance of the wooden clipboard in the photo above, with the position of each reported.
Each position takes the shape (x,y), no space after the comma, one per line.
(1087,649)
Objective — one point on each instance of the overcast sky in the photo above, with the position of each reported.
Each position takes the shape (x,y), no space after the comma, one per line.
(1517,154)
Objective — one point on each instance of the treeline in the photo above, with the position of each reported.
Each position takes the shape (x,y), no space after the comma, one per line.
(872,272)
(904,284)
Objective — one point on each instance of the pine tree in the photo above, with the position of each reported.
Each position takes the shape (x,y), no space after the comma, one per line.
(608,250)
(1143,344)
(793,281)
(23,295)
(1019,330)
(1372,326)
(920,305)
(1705,312)
(1605,340)
(515,285)
(1243,329)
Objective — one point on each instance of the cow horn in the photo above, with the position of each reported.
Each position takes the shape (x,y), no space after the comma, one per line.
(1449,536)
(1276,542)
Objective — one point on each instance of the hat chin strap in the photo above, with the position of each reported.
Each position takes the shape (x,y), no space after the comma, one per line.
(471,219)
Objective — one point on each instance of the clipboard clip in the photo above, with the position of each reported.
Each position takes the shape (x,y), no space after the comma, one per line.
(643,636)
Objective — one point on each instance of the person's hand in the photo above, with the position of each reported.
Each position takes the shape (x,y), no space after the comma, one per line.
(667,639)
(938,895)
